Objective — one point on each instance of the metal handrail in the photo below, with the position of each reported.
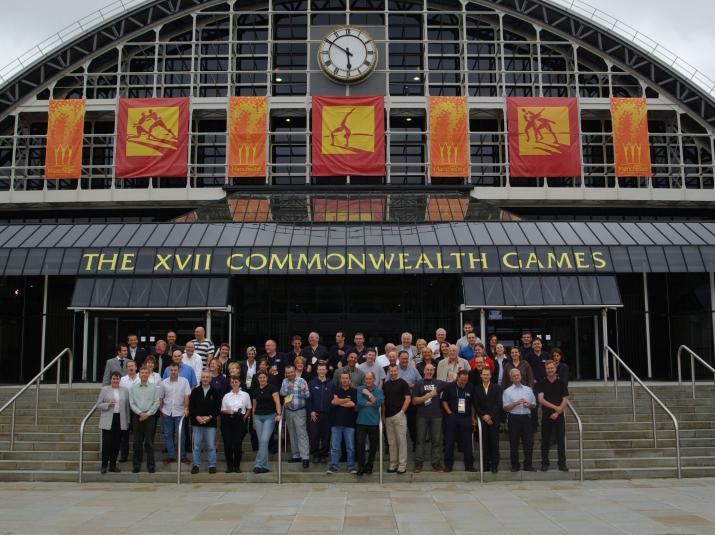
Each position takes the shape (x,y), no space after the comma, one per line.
(381,439)
(280,447)
(81,440)
(693,356)
(37,380)
(580,437)
(179,440)
(481,449)
(653,400)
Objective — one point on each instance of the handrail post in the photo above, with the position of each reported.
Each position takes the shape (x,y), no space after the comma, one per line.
(179,439)
(633,398)
(57,390)
(280,448)
(37,401)
(655,432)
(81,441)
(380,431)
(580,438)
(481,451)
(692,373)
(680,375)
(615,377)
(12,428)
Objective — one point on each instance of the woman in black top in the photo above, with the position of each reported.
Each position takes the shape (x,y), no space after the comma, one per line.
(266,413)
(562,369)
(488,404)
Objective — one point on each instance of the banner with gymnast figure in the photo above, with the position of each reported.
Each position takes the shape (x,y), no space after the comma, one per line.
(152,137)
(543,137)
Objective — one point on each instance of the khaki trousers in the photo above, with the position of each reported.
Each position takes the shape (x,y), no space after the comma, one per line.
(397,439)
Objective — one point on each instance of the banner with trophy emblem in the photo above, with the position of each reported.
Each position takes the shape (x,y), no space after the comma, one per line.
(448,137)
(631,147)
(247,136)
(65,128)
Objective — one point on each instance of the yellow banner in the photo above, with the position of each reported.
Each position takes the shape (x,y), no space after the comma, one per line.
(247,136)
(448,133)
(631,147)
(65,127)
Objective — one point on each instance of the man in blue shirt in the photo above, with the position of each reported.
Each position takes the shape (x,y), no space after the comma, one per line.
(294,391)
(318,405)
(518,401)
(458,405)
(369,401)
(185,371)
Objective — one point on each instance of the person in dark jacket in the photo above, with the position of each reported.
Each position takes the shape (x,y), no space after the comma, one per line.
(562,369)
(318,406)
(488,404)
(204,408)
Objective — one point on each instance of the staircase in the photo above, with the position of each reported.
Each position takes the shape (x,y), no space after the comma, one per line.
(614,446)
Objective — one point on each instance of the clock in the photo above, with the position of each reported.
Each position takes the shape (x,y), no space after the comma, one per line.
(347,54)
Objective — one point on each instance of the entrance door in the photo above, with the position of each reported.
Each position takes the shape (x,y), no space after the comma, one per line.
(576,332)
(109,329)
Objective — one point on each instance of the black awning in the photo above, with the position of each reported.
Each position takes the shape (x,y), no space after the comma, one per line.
(562,291)
(147,293)
(467,248)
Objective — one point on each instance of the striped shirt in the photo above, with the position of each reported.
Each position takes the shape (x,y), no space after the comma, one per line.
(203,349)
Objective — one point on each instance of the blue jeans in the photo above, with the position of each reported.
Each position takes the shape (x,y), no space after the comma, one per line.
(204,437)
(264,424)
(337,435)
(169,426)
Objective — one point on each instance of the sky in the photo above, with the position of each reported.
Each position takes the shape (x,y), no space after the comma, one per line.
(684,26)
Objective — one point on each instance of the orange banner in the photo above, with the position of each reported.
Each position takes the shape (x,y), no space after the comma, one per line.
(631,147)
(247,136)
(65,127)
(448,137)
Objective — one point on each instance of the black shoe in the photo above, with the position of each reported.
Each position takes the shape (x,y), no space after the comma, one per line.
(447,469)
(391,470)
(151,470)
(256,470)
(400,472)
(263,470)
(237,469)
(103,470)
(368,470)
(135,470)
(529,469)
(495,470)
(123,460)
(212,469)
(194,469)
(563,468)
(544,467)
(360,472)
(306,463)
(293,460)
(514,468)
(114,469)
(471,469)
(229,469)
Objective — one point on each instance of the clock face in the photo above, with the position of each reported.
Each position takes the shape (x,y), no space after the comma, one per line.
(347,54)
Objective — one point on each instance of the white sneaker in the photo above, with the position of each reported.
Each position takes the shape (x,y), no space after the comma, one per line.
(353,471)
(331,472)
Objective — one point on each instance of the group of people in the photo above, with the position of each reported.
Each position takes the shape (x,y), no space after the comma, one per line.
(331,401)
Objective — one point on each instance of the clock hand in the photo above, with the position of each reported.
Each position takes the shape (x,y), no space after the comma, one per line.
(347,51)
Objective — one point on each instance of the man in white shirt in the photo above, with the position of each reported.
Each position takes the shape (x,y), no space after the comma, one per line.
(128,381)
(440,336)
(371,365)
(518,401)
(193,359)
(174,396)
(383,361)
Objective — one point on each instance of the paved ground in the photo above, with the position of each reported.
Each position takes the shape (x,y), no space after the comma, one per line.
(599,508)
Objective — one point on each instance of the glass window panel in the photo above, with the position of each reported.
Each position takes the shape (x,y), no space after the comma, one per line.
(497,233)
(532,291)
(493,292)
(515,233)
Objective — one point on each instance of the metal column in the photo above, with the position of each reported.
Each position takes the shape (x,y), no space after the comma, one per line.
(44,325)
(208,324)
(604,316)
(598,347)
(95,346)
(483,325)
(712,303)
(647,324)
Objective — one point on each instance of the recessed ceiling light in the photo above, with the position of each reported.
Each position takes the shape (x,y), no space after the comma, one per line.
(287,119)
(279,79)
(416,78)
(409,119)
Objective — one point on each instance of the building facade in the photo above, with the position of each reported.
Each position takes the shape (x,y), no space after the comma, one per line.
(584,261)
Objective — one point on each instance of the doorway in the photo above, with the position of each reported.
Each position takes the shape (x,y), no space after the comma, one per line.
(576,331)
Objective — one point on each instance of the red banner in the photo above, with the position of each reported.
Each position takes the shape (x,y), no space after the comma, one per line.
(247,136)
(543,137)
(448,143)
(348,136)
(65,128)
(152,137)
(631,146)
